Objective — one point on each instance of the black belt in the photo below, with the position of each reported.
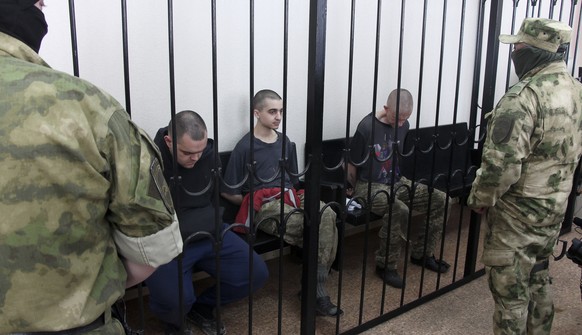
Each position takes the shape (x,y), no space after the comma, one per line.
(539,266)
(100,321)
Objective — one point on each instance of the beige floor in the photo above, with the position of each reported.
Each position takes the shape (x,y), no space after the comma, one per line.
(466,310)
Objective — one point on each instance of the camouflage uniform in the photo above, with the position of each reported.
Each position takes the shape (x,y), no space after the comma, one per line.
(398,215)
(81,185)
(294,228)
(530,154)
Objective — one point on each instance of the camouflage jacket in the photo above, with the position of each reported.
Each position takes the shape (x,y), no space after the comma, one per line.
(81,184)
(532,147)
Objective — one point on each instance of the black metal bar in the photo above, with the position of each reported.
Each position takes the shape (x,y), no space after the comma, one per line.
(346,160)
(552,7)
(74,46)
(509,47)
(176,184)
(315,95)
(492,59)
(125,57)
(477,69)
(126,81)
(251,179)
(569,215)
(218,232)
(489,83)
(567,53)
(455,114)
(283,160)
(416,149)
(459,61)
(533,7)
(435,149)
(371,157)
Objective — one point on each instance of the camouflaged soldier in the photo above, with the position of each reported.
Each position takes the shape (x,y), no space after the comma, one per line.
(388,128)
(530,154)
(82,193)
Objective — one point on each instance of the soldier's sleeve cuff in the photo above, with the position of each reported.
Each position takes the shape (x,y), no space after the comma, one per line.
(153,250)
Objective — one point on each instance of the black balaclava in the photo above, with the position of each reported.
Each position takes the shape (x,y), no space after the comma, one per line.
(528,58)
(23,20)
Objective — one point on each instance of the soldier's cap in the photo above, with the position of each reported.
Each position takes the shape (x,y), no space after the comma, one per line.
(541,33)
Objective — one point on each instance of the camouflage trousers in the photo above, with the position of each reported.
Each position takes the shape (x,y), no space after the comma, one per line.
(328,236)
(523,303)
(395,218)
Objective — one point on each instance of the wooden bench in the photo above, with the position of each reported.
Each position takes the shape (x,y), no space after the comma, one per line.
(440,156)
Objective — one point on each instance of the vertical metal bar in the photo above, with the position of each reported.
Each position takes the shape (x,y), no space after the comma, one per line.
(491,63)
(576,43)
(509,49)
(315,95)
(125,56)
(435,148)
(372,157)
(416,149)
(218,232)
(474,226)
(251,179)
(176,184)
(552,7)
(126,82)
(455,113)
(346,158)
(74,46)
(533,7)
(395,148)
(570,22)
(283,159)
(569,215)
(477,70)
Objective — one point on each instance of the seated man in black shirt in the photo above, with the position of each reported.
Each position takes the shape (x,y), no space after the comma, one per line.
(388,130)
(268,144)
(196,214)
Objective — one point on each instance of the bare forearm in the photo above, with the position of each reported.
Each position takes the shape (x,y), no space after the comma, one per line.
(352,175)
(136,273)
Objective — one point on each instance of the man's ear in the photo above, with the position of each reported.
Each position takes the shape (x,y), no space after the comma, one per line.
(256,113)
(385,110)
(168,141)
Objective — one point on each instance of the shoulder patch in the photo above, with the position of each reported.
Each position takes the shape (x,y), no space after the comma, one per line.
(502,128)
(158,187)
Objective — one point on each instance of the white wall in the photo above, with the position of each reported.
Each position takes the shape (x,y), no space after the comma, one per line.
(100,59)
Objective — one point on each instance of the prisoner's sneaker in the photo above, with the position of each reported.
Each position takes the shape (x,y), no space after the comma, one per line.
(431,263)
(324,307)
(390,277)
(208,326)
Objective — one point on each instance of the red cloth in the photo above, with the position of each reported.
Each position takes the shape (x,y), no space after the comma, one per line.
(260,198)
